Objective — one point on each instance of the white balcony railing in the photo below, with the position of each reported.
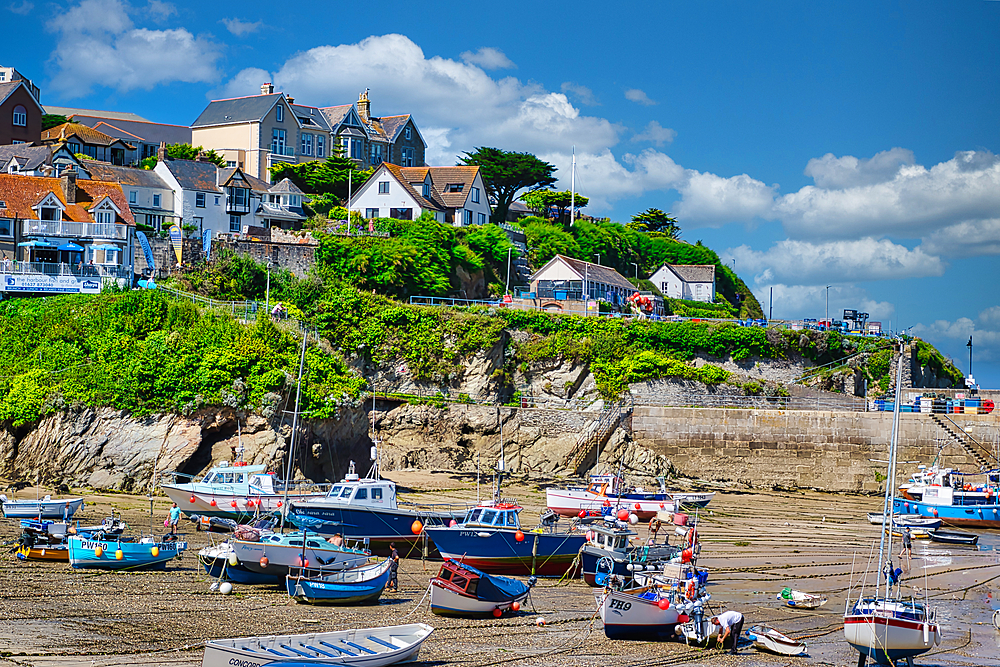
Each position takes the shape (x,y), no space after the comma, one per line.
(95,230)
(63,269)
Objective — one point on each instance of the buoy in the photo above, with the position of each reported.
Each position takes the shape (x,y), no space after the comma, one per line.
(516,606)
(638,506)
(630,567)
(683,618)
(452,523)
(264,561)
(582,513)
(607,503)
(519,536)
(98,551)
(686,556)
(416,527)
(213,503)
(226,588)
(633,519)
(280,503)
(232,504)
(623,515)
(590,534)
(663,604)
(662,506)
(155,551)
(191,499)
(935,513)
(233,560)
(497,613)
(302,562)
(539,621)
(119,554)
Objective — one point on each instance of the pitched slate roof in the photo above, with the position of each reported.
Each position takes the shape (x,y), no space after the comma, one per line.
(236,110)
(311,116)
(592,272)
(424,202)
(35,156)
(194,175)
(85,134)
(143,178)
(150,133)
(8,88)
(21,193)
(256,184)
(393,125)
(285,186)
(334,115)
(94,113)
(694,273)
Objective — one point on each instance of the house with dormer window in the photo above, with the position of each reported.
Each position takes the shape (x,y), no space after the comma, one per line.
(90,142)
(455,195)
(371,140)
(20,113)
(29,160)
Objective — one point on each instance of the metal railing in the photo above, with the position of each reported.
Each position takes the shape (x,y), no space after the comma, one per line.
(242,310)
(598,432)
(64,269)
(97,230)
(847,404)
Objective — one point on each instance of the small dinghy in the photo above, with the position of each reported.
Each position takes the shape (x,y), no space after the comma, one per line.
(462,590)
(953,537)
(372,647)
(903,521)
(358,585)
(766,638)
(46,508)
(800,600)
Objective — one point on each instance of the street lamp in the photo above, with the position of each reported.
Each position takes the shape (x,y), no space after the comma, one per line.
(267,297)
(969,345)
(828,307)
(636,273)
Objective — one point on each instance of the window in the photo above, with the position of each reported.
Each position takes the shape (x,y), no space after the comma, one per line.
(371,213)
(475,195)
(20,116)
(376,154)
(407,132)
(362,494)
(278,141)
(5,226)
(74,147)
(401,213)
(426,191)
(239,198)
(104,217)
(357,149)
(407,157)
(377,495)
(17,141)
(217,201)
(383,187)
(230,163)
(156,201)
(467,217)
(279,113)
(199,199)
(198,223)
(49,213)
(131,196)
(454,187)
(320,146)
(482,218)
(307,144)
(234,223)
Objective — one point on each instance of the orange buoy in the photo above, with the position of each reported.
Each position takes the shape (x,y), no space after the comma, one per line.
(264,562)
(686,556)
(497,613)
(98,551)
(416,527)
(519,536)
(516,606)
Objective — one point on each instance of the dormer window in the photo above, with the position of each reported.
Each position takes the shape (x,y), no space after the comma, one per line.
(49,213)
(279,113)
(426,192)
(454,187)
(104,213)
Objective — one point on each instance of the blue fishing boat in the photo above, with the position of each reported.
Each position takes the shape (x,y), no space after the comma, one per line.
(116,553)
(275,554)
(957,499)
(359,585)
(609,551)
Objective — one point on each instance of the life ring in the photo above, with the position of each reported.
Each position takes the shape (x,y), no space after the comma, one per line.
(691,538)
(691,591)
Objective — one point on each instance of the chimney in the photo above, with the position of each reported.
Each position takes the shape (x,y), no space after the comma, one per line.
(291,100)
(68,182)
(201,157)
(267,88)
(364,106)
(161,152)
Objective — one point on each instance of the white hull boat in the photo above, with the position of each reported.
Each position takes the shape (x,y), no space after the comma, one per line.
(367,647)
(800,600)
(285,552)
(46,508)
(766,638)
(626,615)
(890,630)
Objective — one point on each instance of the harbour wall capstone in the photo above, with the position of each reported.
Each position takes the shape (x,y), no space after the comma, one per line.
(830,451)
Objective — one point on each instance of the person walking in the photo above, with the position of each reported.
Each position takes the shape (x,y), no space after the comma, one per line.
(907,550)
(731,624)
(175,518)
(393,568)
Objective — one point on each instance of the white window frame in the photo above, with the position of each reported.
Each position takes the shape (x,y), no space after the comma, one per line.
(279,113)
(475,195)
(156,201)
(132,194)
(383,187)
(307,143)
(20,116)
(200,197)
(320,145)
(482,218)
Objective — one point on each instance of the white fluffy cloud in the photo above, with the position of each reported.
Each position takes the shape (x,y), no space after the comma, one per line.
(859,260)
(966,239)
(708,199)
(954,334)
(639,97)
(848,171)
(655,133)
(120,55)
(488,57)
(240,28)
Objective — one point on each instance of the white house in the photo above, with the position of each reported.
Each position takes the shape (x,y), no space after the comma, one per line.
(454,195)
(568,279)
(149,196)
(693,282)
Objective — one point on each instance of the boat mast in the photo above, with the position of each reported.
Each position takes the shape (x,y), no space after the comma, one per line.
(572,192)
(375,472)
(885,545)
(295,425)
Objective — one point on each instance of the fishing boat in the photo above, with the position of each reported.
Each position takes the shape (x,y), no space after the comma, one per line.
(641,613)
(800,600)
(953,537)
(462,590)
(47,552)
(371,647)
(220,562)
(367,508)
(276,553)
(608,551)
(46,508)
(359,585)
(958,499)
(610,489)
(883,625)
(766,638)
(46,540)
(116,553)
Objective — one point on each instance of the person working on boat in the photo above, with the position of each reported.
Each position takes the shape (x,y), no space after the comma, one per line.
(907,549)
(337,540)
(175,518)
(393,568)
(731,623)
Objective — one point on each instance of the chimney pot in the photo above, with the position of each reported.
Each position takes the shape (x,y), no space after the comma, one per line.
(267,88)
(68,183)
(364,106)
(161,152)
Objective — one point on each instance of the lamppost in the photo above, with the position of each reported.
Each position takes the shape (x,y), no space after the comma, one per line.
(828,307)
(969,345)
(267,297)
(636,273)
(507,286)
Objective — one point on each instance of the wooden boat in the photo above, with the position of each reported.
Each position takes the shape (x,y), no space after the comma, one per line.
(647,613)
(915,533)
(46,508)
(800,600)
(953,537)
(118,554)
(462,590)
(766,638)
(57,552)
(359,585)
(372,647)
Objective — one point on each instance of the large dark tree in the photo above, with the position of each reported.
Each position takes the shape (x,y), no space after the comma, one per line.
(506,173)
(50,120)
(656,221)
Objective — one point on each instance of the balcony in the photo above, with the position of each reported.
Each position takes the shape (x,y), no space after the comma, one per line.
(80,230)
(63,269)
(238,201)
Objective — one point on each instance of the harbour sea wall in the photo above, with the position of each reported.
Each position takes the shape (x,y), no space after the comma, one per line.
(825,450)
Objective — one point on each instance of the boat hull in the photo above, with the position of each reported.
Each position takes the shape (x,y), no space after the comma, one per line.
(971,516)
(243,511)
(219,566)
(366,588)
(446,602)
(628,616)
(135,555)
(49,553)
(44,509)
(948,537)
(886,639)
(569,502)
(770,640)
(497,551)
(281,558)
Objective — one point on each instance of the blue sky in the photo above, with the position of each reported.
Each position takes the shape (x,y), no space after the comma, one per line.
(850,144)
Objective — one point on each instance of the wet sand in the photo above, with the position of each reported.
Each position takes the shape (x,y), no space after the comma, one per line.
(754,543)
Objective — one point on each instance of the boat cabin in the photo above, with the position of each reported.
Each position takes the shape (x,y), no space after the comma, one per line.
(459,578)
(496,515)
(354,490)
(238,479)
(604,485)
(610,538)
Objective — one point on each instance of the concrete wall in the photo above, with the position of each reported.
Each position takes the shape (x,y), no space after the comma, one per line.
(824,450)
(296,257)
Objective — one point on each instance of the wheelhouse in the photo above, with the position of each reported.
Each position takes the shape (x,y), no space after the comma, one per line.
(501,515)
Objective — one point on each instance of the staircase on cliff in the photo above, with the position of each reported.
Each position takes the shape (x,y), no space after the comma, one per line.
(972,447)
(596,435)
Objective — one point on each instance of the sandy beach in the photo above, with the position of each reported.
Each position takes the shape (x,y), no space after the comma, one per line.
(754,544)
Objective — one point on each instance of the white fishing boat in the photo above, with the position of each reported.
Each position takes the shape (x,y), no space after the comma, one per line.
(883,625)
(800,600)
(642,613)
(925,522)
(610,490)
(46,508)
(372,647)
(766,638)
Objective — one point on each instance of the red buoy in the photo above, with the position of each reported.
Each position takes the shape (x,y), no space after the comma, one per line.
(264,561)
(280,503)
(497,613)
(582,513)
(686,556)
(516,606)
(623,515)
(192,499)
(663,604)
(519,536)
(232,504)
(638,506)
(935,512)
(213,503)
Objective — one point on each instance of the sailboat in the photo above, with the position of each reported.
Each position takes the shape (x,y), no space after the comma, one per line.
(884,625)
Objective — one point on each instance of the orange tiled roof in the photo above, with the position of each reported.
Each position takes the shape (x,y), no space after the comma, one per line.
(86,135)
(21,193)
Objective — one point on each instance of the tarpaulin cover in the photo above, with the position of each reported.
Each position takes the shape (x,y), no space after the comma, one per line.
(494,588)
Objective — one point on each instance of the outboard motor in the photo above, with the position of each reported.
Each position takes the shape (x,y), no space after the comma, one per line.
(549,518)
